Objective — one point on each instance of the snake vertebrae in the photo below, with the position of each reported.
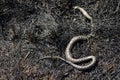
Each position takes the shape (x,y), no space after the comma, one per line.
(69,59)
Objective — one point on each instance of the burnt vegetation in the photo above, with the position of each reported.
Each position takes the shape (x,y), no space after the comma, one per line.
(32,29)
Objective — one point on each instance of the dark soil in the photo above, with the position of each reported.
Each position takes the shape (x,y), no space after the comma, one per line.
(32,29)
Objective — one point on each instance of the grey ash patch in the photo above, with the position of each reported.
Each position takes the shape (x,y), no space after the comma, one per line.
(32,29)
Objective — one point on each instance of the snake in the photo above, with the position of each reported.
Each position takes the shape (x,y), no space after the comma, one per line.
(69,59)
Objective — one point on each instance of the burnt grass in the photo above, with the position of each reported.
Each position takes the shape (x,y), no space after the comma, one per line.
(32,29)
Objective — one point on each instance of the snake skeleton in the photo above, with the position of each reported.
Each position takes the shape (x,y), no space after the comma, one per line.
(69,59)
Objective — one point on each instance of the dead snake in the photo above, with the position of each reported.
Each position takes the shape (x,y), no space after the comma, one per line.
(69,59)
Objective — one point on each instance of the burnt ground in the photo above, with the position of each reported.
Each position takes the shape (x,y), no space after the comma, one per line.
(32,29)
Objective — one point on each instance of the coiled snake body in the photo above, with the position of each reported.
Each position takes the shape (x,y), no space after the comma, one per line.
(69,59)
